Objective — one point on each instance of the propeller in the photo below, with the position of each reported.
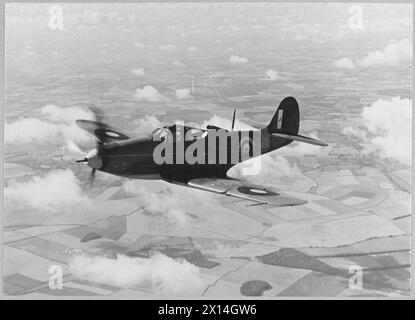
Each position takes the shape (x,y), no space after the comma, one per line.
(91,177)
(99,117)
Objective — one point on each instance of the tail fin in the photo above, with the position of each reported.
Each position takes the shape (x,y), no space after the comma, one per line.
(286,122)
(287,118)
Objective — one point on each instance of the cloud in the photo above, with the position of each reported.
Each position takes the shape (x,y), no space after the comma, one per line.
(59,127)
(272,75)
(30,129)
(166,276)
(138,72)
(390,124)
(58,190)
(146,125)
(192,49)
(394,54)
(138,45)
(354,132)
(344,63)
(183,93)
(66,115)
(237,59)
(269,169)
(387,129)
(170,202)
(148,93)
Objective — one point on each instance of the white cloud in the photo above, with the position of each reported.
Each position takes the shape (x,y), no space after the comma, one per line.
(66,115)
(58,190)
(138,45)
(168,201)
(344,63)
(183,93)
(166,276)
(138,72)
(272,75)
(159,203)
(147,125)
(148,93)
(193,49)
(30,129)
(354,132)
(57,128)
(267,170)
(387,129)
(395,53)
(237,59)
(390,124)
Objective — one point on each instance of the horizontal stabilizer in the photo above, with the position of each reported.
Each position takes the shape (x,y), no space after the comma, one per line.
(300,138)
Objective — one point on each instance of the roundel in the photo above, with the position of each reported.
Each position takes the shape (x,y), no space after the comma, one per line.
(111,134)
(256,191)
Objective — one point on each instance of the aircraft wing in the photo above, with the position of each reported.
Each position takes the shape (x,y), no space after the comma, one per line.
(246,191)
(101,131)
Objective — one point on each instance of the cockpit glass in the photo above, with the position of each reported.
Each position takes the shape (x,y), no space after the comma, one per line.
(160,134)
(193,134)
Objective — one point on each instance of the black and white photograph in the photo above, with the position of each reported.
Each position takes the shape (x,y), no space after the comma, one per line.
(207,150)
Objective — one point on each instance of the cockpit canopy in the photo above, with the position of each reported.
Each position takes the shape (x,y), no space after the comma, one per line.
(174,131)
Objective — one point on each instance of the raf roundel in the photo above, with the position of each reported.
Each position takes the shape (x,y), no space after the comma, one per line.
(112,134)
(256,191)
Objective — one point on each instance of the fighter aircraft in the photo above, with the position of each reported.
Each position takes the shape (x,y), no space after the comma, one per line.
(118,154)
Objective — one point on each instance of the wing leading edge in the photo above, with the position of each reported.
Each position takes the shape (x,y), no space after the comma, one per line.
(246,191)
(101,131)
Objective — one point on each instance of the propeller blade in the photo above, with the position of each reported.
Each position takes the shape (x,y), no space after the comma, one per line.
(98,114)
(72,147)
(83,160)
(91,177)
(100,119)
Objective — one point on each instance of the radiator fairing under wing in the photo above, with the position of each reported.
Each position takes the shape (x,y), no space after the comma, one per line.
(246,191)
